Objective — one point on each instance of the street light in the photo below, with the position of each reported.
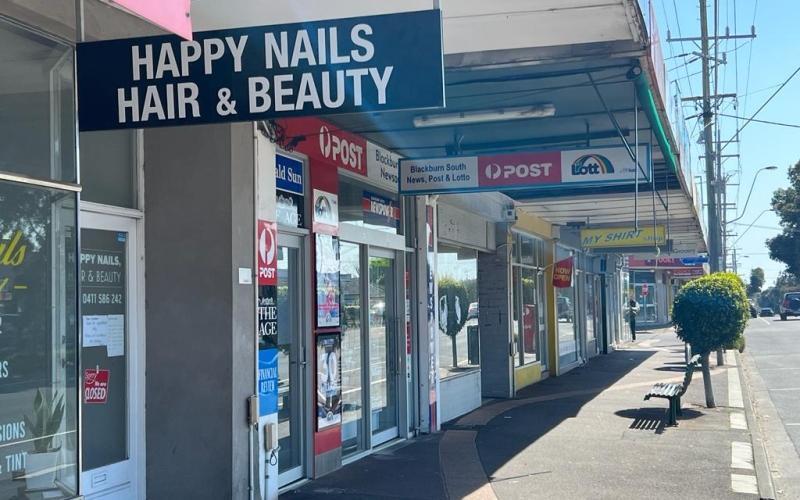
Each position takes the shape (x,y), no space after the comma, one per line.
(770,167)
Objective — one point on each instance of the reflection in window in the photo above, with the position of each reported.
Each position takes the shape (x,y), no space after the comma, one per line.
(457,270)
(565,314)
(38,397)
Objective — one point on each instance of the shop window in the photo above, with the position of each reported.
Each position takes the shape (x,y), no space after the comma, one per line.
(529,313)
(38,342)
(108,168)
(459,342)
(366,206)
(37,106)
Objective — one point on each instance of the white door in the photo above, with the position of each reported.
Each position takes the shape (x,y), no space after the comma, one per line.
(112,352)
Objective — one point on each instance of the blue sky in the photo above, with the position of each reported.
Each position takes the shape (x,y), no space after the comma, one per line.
(774,58)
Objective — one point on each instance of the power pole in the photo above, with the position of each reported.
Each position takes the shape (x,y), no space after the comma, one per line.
(708,141)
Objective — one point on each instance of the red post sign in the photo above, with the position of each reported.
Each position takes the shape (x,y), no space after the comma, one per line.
(95,385)
(267,242)
(644,289)
(562,273)
(529,327)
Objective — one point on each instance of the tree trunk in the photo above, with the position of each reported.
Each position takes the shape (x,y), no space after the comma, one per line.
(707,381)
(720,357)
(455,352)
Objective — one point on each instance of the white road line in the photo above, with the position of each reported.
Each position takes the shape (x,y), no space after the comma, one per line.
(793,423)
(738,420)
(730,357)
(779,369)
(787,389)
(734,390)
(741,483)
(741,456)
(765,321)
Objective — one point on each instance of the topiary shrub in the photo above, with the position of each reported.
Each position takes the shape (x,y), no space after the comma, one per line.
(453,310)
(711,312)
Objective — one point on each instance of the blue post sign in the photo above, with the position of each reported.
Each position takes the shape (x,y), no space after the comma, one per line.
(267,381)
(363,64)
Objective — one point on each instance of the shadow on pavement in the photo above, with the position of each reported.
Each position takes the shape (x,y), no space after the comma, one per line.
(552,402)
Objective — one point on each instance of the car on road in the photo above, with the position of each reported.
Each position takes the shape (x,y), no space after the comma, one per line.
(753,311)
(565,309)
(767,312)
(790,305)
(472,312)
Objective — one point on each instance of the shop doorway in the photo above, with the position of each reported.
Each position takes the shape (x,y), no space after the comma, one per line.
(112,357)
(383,357)
(291,359)
(371,369)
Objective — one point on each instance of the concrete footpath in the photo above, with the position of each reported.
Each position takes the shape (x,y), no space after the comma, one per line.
(585,435)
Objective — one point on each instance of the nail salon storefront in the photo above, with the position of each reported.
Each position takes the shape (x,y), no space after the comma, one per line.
(279,257)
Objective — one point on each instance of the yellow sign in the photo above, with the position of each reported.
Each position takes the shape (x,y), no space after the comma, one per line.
(623,237)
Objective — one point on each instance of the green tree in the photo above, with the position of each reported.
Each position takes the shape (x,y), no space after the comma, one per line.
(756,282)
(711,312)
(785,247)
(453,309)
(773,296)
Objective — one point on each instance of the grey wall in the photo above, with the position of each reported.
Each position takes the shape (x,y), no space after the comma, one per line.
(200,325)
(493,318)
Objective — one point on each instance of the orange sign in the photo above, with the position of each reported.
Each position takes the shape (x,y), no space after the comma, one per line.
(562,273)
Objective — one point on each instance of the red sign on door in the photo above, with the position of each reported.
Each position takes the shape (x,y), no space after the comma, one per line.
(95,385)
(267,244)
(644,289)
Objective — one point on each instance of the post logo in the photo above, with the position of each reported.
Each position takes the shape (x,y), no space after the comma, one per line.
(494,171)
(592,164)
(338,149)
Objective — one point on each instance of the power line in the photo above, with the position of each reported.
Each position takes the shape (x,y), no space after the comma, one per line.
(792,125)
(749,62)
(738,131)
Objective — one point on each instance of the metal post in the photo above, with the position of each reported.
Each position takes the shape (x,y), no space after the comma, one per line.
(636,160)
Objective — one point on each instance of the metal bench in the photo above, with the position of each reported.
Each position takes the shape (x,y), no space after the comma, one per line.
(673,391)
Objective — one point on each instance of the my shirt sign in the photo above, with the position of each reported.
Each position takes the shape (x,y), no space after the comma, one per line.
(372,63)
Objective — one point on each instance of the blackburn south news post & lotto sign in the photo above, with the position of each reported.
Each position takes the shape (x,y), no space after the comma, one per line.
(517,171)
(364,64)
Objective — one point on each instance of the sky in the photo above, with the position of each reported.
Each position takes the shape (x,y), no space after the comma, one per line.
(754,71)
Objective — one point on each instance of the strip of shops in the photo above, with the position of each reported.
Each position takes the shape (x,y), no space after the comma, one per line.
(205,299)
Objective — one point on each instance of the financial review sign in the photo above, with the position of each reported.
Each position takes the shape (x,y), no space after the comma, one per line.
(516,171)
(370,63)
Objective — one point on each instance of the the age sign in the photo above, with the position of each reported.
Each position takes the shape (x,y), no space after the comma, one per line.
(95,386)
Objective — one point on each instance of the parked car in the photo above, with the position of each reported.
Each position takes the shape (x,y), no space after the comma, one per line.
(473,310)
(790,305)
(753,311)
(767,312)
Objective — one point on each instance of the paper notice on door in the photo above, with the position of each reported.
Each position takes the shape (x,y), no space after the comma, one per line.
(116,335)
(95,331)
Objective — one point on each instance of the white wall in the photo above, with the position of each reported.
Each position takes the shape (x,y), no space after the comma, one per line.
(469,25)
(459,395)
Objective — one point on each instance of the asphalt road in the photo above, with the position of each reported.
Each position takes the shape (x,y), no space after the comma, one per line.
(773,346)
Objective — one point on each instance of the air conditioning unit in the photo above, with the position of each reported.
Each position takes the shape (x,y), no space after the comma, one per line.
(510,215)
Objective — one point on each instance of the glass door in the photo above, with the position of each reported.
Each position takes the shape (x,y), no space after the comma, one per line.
(383,351)
(291,359)
(111,368)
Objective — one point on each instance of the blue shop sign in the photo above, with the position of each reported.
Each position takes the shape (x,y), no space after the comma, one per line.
(700,259)
(267,381)
(363,64)
(380,211)
(289,174)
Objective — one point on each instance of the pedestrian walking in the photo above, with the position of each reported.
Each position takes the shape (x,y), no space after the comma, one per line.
(633,309)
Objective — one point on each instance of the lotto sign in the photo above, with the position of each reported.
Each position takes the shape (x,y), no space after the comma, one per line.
(95,386)
(267,250)
(360,64)
(645,289)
